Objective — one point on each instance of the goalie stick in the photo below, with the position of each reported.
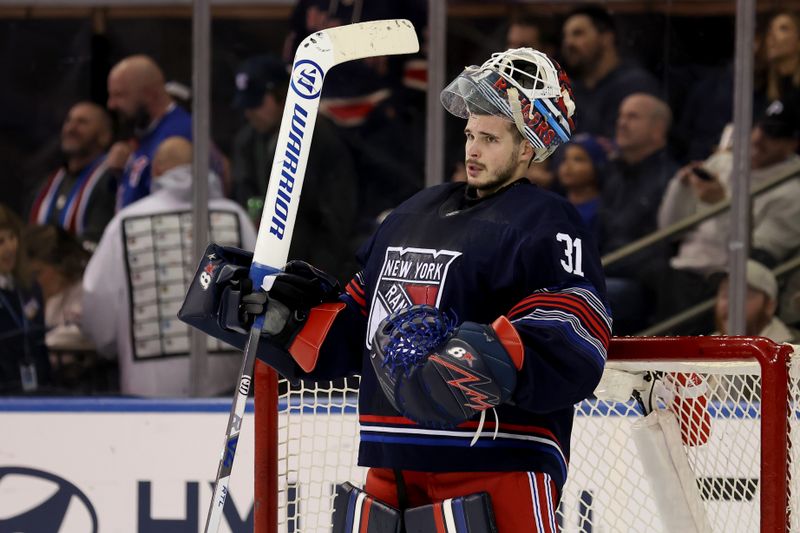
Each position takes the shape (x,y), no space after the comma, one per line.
(317,54)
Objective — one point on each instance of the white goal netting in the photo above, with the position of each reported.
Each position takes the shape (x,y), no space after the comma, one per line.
(728,446)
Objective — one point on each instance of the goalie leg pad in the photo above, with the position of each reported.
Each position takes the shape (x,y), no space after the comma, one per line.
(355,510)
(464,514)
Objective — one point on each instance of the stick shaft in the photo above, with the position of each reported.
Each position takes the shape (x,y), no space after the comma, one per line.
(215,510)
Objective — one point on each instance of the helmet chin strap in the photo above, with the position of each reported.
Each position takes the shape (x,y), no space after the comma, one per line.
(516,112)
(516,109)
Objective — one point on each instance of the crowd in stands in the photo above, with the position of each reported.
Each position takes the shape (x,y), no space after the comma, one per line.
(90,285)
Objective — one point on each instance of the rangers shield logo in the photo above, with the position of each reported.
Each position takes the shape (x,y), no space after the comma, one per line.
(409,276)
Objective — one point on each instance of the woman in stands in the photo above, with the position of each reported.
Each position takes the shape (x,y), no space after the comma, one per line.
(57,260)
(781,57)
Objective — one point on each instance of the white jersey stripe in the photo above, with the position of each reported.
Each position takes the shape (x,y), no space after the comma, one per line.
(449,520)
(467,434)
(571,320)
(551,502)
(357,513)
(590,298)
(537,511)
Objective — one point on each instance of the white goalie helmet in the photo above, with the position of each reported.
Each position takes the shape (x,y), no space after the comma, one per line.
(523,86)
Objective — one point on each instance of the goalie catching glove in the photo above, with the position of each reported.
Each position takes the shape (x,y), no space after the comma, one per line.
(440,375)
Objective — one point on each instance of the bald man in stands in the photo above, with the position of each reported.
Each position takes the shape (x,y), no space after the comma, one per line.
(632,191)
(147,115)
(636,180)
(135,281)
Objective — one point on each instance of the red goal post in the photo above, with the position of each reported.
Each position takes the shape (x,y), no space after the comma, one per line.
(739,457)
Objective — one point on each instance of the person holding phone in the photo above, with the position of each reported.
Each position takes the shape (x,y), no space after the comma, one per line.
(704,251)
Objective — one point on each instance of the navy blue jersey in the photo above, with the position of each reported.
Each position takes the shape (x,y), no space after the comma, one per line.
(135,183)
(523,253)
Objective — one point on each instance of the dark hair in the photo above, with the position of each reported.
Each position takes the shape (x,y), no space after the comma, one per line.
(599,15)
(773,77)
(525,19)
(54,246)
(11,222)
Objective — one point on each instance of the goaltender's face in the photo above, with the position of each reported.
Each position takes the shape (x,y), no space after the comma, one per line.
(495,154)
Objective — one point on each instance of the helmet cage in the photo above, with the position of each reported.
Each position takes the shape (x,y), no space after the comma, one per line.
(520,85)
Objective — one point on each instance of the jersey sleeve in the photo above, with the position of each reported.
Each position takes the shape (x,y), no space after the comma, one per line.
(342,350)
(563,318)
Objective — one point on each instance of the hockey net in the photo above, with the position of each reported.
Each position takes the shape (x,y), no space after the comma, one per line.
(730,468)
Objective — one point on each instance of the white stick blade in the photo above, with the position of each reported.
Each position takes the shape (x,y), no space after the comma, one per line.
(369,39)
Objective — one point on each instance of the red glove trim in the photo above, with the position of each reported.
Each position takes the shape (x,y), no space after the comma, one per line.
(509,338)
(306,345)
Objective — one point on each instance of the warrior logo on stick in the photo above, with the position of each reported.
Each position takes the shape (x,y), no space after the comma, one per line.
(307,79)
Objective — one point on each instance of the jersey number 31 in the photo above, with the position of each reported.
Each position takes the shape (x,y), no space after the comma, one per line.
(573,254)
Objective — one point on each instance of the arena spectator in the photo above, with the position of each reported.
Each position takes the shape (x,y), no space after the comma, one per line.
(79,196)
(631,194)
(760,306)
(636,179)
(24,366)
(702,119)
(781,55)
(135,281)
(147,115)
(523,32)
(775,214)
(600,79)
(580,173)
(58,260)
(326,218)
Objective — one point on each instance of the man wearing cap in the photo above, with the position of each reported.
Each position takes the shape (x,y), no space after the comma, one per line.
(327,213)
(775,213)
(760,306)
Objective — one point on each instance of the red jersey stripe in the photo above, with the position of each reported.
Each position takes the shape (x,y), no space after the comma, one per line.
(586,315)
(574,304)
(365,507)
(438,518)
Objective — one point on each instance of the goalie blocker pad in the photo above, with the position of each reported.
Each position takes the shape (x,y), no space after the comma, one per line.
(221,271)
(355,510)
(465,514)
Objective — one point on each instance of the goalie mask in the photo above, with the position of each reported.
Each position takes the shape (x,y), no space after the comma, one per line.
(523,86)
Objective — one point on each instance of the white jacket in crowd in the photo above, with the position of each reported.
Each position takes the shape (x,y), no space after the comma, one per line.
(136,280)
(775,217)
